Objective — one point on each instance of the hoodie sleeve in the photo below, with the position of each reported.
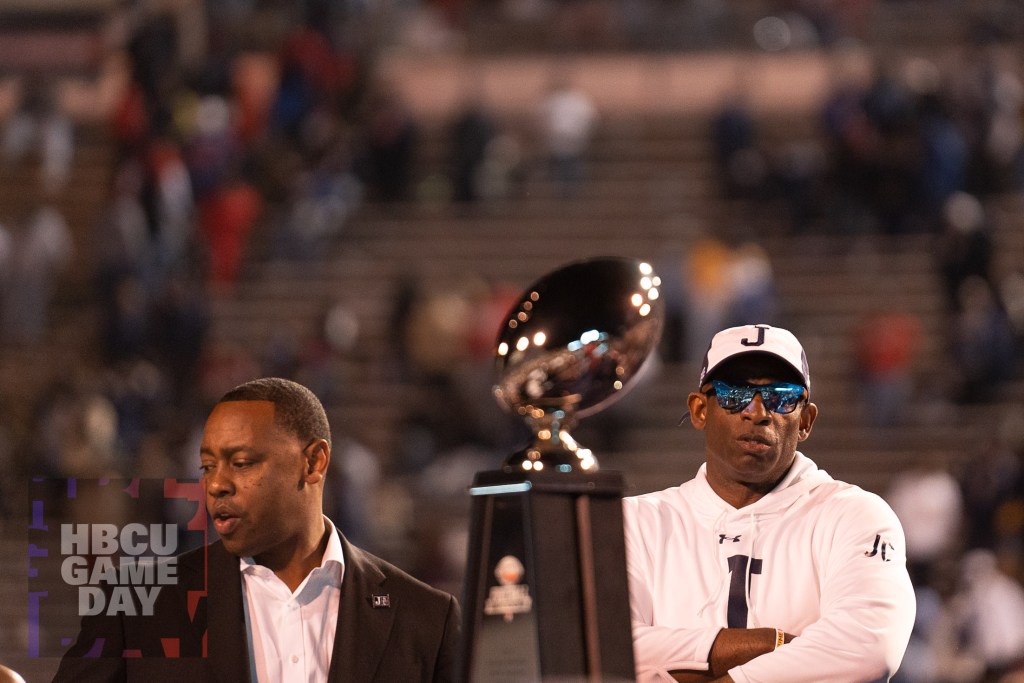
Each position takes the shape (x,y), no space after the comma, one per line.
(657,649)
(867,602)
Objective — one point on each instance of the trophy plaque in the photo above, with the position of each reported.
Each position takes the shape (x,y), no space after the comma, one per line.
(546,591)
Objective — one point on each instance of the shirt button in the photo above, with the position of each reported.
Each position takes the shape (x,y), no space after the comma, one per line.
(295,659)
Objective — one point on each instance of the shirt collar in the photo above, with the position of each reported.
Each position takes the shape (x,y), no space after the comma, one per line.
(333,552)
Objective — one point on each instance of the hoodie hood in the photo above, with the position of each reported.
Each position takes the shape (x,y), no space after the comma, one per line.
(802,478)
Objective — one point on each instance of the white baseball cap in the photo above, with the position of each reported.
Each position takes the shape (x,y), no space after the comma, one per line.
(738,341)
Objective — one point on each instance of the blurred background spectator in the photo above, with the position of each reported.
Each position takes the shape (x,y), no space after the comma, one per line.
(566,121)
(40,123)
(39,248)
(887,346)
(472,132)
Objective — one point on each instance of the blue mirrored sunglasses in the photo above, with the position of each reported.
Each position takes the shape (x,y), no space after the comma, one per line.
(778,397)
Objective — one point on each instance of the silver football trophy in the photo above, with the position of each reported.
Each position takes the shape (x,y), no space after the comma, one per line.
(546,592)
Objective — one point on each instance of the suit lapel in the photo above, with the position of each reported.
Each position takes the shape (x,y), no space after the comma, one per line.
(228,647)
(363,629)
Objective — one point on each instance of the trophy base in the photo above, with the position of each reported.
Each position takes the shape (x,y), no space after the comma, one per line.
(537,608)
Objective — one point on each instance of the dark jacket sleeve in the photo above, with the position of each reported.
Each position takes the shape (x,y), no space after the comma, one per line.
(448,655)
(154,648)
(95,656)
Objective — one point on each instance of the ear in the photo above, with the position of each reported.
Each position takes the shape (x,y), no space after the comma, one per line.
(807,417)
(318,457)
(698,406)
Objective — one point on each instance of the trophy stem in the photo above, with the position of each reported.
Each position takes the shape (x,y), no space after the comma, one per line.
(553,448)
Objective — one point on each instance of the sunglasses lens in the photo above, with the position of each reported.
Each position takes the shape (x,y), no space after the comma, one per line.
(732,398)
(780,397)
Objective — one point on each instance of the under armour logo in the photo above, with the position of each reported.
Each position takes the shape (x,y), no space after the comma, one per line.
(382,600)
(880,547)
(722,538)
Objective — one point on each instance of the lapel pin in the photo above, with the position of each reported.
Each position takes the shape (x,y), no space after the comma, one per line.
(382,600)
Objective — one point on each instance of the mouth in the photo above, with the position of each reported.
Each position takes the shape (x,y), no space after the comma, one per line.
(225,521)
(753,444)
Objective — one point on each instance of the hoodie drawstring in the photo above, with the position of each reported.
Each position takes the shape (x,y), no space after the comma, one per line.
(751,610)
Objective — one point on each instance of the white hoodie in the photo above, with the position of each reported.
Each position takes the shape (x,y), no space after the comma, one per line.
(829,567)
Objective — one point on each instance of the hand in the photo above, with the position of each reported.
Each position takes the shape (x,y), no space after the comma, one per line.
(732,647)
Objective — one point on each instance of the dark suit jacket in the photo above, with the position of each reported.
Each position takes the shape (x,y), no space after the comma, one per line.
(409,633)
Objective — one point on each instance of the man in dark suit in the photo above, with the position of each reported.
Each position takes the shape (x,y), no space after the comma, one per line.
(282,595)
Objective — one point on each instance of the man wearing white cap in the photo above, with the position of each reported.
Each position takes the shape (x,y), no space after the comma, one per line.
(763,568)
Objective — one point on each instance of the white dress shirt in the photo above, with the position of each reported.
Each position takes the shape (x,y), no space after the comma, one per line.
(291,635)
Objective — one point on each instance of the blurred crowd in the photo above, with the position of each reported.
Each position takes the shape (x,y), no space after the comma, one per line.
(897,139)
(965,531)
(222,139)
(225,154)
(230,148)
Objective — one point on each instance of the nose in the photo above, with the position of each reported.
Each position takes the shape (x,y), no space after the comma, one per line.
(756,410)
(218,482)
